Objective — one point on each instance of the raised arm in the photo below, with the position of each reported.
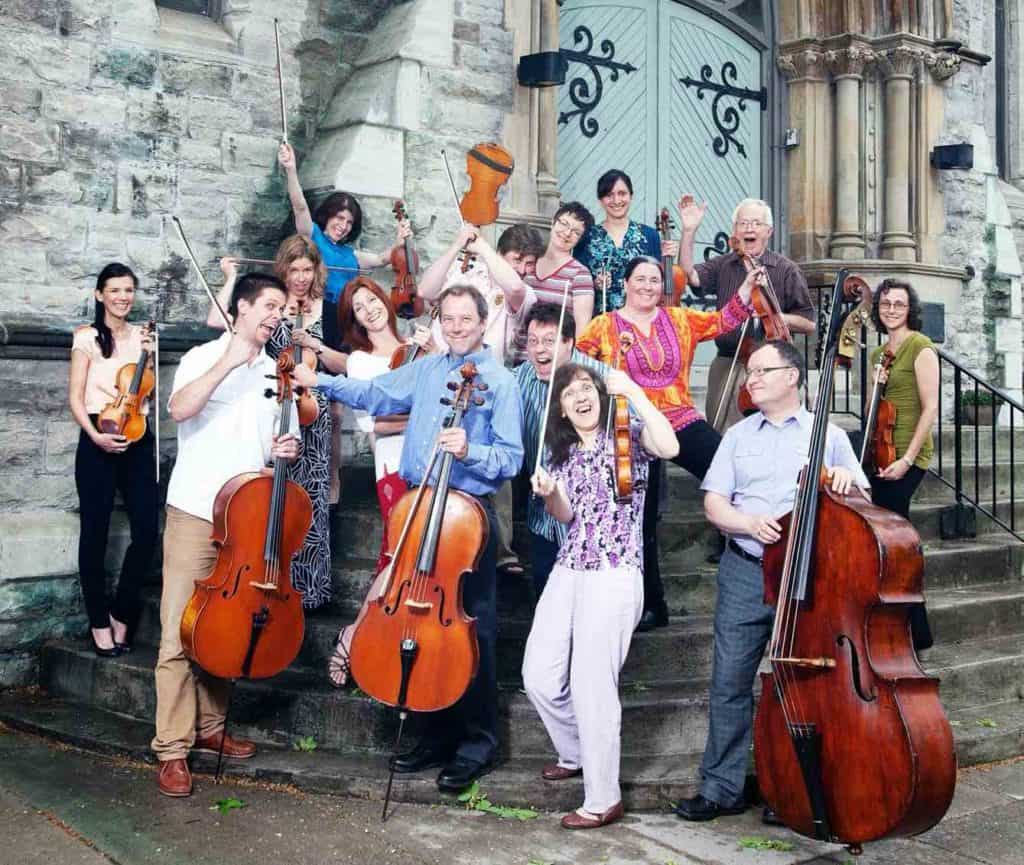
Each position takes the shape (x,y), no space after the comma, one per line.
(431,281)
(691,215)
(229,267)
(193,397)
(303,218)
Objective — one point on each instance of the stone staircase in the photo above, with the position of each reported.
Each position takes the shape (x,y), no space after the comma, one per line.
(975,598)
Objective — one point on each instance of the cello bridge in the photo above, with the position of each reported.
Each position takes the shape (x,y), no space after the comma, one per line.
(266,587)
(809,663)
(419,605)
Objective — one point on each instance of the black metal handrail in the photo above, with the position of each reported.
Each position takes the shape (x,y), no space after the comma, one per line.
(958,520)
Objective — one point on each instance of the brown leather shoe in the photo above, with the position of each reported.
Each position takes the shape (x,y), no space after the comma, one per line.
(237,749)
(174,778)
(554,772)
(575,820)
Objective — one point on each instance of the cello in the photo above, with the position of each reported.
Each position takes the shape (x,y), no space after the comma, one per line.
(406,265)
(851,743)
(489,167)
(245,620)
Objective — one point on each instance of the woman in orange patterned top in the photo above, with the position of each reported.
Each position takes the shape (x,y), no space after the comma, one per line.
(664,342)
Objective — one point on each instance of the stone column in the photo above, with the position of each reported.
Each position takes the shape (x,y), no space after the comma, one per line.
(809,182)
(847,66)
(547,121)
(897,239)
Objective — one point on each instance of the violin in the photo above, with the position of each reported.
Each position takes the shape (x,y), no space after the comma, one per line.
(306,403)
(674,278)
(851,742)
(245,619)
(623,433)
(410,351)
(879,449)
(134,383)
(406,265)
(489,167)
(415,648)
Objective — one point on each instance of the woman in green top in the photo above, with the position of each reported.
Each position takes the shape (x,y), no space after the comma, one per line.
(913,389)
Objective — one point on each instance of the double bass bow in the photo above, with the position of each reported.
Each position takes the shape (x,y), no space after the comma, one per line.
(851,743)
(415,648)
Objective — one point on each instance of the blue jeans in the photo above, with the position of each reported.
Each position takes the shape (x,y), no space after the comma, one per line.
(742,627)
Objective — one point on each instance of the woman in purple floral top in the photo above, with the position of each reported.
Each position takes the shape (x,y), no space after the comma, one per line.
(593,599)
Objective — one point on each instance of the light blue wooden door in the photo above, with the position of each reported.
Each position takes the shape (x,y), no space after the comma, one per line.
(607,111)
(709,141)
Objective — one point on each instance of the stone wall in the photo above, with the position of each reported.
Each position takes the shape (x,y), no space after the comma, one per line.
(114,115)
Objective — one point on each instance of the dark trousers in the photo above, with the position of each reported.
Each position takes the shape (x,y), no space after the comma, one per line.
(542,559)
(98,475)
(697,445)
(895,496)
(470,727)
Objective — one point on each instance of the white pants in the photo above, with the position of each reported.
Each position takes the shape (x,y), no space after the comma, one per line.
(580,637)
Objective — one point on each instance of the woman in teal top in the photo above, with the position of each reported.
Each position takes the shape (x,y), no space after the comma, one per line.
(334,228)
(912,386)
(607,248)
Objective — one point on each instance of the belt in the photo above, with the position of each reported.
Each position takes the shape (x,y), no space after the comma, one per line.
(742,553)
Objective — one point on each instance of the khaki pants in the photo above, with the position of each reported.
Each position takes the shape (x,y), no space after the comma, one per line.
(718,375)
(187,699)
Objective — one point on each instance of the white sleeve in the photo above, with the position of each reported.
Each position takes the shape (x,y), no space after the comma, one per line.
(360,366)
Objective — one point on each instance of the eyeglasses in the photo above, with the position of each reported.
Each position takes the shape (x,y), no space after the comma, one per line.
(894,305)
(547,342)
(749,223)
(758,371)
(568,228)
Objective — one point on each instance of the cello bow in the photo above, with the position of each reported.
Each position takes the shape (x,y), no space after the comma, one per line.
(202,279)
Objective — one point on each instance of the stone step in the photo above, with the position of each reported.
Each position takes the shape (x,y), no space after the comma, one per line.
(982,734)
(664,684)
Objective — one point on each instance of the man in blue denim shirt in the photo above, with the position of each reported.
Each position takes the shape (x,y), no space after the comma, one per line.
(488,450)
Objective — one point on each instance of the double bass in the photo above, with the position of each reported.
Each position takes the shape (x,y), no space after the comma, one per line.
(851,743)
(245,620)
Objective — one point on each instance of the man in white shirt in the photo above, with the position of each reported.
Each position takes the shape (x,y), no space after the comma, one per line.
(226,426)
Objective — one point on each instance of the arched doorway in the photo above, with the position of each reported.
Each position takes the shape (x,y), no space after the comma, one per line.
(675,94)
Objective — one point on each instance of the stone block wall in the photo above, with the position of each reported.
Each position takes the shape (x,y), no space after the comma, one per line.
(115,114)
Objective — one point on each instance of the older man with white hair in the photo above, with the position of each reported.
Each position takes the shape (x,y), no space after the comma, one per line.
(752,226)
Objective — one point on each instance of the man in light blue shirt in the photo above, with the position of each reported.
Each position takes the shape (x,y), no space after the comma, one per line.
(488,450)
(751,483)
(533,377)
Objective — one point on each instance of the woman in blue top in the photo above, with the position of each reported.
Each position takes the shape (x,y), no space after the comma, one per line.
(334,228)
(607,248)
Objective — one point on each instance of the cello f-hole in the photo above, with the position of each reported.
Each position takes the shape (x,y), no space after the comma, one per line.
(444,619)
(230,593)
(389,609)
(843,640)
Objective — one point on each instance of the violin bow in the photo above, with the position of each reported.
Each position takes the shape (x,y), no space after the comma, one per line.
(202,279)
(155,405)
(280,84)
(270,261)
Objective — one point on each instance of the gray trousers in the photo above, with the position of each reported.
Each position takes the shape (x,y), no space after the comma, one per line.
(742,627)
(580,637)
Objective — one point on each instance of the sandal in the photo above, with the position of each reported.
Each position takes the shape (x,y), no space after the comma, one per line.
(339,665)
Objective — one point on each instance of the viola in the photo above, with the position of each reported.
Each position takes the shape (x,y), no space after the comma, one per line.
(410,351)
(622,433)
(415,648)
(851,743)
(674,279)
(306,403)
(245,620)
(489,167)
(879,449)
(134,383)
(406,265)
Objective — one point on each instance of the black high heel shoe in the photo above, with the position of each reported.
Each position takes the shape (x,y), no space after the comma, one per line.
(101,652)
